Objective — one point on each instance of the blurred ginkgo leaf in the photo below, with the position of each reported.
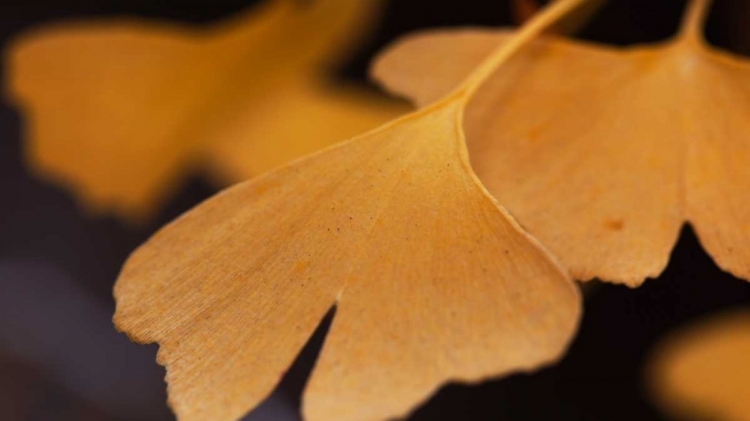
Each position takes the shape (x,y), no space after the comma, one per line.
(523,10)
(603,153)
(703,370)
(432,281)
(121,111)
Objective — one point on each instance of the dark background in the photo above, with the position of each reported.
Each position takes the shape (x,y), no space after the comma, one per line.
(60,359)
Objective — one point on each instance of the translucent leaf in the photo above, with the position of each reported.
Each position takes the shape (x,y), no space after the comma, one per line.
(602,153)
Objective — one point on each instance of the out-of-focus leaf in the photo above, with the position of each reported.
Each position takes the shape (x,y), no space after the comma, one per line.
(524,9)
(121,111)
(704,369)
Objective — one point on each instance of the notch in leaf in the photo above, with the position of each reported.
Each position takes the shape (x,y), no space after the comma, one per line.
(603,153)
(432,280)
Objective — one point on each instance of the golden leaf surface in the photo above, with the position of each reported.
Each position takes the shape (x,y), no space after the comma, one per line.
(432,281)
(704,369)
(602,153)
(121,111)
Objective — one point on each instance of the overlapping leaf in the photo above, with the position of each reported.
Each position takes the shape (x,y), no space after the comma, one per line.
(431,279)
(121,111)
(602,153)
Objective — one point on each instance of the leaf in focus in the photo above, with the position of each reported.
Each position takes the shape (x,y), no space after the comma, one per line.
(121,111)
(602,153)
(432,281)
(704,369)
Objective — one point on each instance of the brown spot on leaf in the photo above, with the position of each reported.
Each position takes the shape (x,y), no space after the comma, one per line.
(615,224)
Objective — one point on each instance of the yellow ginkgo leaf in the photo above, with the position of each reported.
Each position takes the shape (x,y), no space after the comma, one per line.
(705,370)
(431,279)
(120,111)
(603,153)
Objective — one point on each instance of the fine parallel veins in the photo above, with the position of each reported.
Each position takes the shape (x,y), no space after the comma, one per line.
(602,153)
(391,225)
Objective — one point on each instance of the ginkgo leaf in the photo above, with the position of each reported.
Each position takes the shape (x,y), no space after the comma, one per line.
(603,153)
(432,281)
(120,111)
(704,369)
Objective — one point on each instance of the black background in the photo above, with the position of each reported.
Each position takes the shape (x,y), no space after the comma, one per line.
(601,378)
